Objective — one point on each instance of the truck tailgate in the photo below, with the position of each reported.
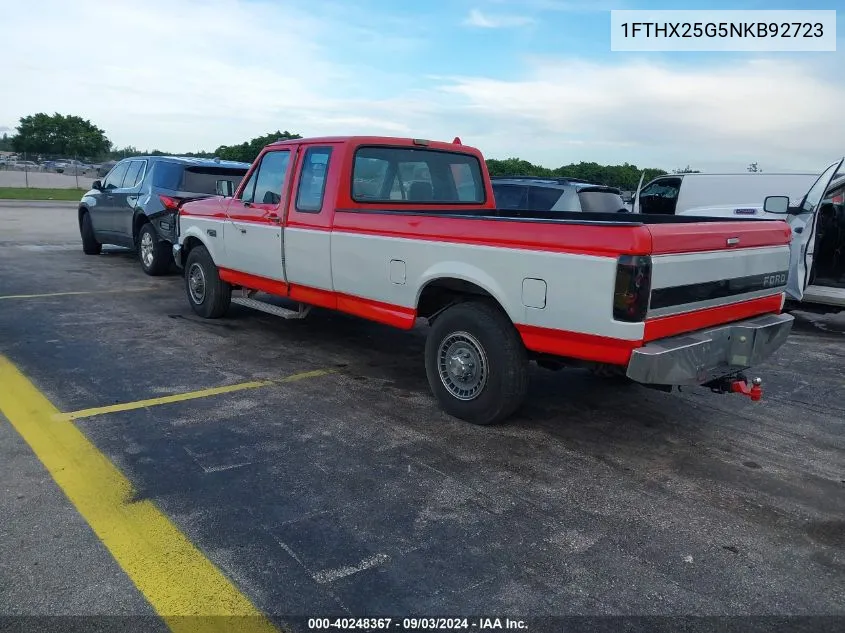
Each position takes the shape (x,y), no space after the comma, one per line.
(712,273)
(667,239)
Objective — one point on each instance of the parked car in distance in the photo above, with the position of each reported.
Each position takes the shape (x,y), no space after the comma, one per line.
(555,194)
(105,168)
(27,165)
(135,205)
(720,195)
(335,223)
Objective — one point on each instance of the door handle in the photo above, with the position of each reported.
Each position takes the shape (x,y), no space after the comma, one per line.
(800,229)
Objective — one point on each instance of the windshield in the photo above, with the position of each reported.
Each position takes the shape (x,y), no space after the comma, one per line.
(817,191)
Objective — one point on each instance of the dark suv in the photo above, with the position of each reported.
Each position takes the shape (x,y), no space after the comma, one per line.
(135,204)
(556,194)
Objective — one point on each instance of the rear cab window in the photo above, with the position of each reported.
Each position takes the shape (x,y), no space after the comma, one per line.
(405,175)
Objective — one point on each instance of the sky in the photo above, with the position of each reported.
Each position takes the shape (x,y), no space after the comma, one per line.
(533,79)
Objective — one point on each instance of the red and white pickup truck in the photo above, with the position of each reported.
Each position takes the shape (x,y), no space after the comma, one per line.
(393,230)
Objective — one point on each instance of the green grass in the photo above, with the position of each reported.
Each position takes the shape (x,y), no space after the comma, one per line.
(31,193)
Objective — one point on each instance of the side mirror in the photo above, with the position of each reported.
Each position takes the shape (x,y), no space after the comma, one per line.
(97,185)
(225,188)
(776,204)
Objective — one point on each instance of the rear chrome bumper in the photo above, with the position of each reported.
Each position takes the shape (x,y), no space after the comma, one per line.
(706,355)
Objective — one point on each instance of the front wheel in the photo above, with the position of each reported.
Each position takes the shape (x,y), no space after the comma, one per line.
(90,245)
(208,295)
(476,363)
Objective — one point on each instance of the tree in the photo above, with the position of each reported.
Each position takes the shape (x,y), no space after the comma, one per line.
(625,176)
(754,168)
(117,153)
(60,135)
(248,151)
(5,143)
(686,170)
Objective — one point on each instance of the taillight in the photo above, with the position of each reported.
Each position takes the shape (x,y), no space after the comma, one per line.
(169,202)
(633,288)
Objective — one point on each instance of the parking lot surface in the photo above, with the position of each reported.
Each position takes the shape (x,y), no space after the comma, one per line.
(322,480)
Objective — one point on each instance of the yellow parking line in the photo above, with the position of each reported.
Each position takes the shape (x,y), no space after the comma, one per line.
(189,395)
(172,574)
(78,292)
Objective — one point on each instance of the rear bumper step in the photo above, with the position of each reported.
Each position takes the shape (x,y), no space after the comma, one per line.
(708,355)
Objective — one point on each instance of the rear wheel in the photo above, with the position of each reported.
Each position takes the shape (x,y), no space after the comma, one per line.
(90,245)
(208,295)
(154,254)
(476,363)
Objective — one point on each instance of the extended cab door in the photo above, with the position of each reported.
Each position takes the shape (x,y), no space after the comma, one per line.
(307,233)
(253,238)
(803,221)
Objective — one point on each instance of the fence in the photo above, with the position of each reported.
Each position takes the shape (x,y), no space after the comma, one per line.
(19,170)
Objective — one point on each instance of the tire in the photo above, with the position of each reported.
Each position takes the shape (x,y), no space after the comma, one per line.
(153,253)
(486,339)
(90,245)
(215,296)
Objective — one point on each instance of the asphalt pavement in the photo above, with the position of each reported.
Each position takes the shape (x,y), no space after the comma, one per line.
(307,463)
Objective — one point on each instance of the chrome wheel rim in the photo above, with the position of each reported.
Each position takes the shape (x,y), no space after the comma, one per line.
(147,250)
(196,283)
(462,365)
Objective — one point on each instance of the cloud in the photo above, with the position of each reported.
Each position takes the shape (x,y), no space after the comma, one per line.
(665,114)
(480,20)
(215,72)
(564,6)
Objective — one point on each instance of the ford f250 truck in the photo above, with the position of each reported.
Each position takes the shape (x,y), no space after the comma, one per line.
(393,230)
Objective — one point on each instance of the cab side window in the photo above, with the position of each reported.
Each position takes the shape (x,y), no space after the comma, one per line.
(312,179)
(271,178)
(247,194)
(115,178)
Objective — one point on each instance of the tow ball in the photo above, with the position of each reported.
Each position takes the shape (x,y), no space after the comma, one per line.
(741,385)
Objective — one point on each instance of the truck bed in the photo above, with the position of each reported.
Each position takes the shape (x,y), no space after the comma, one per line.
(591,233)
(564,217)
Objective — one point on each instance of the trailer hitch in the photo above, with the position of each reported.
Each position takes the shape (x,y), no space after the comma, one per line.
(739,384)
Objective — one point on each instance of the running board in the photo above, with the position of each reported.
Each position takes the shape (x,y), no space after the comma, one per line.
(826,295)
(269,308)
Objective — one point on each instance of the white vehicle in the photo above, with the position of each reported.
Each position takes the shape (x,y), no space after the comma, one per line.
(817,250)
(720,195)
